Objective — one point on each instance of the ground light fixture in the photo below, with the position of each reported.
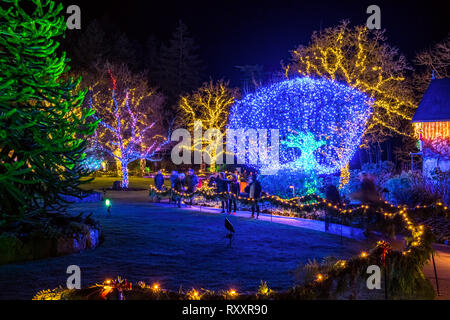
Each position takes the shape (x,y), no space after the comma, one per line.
(108,205)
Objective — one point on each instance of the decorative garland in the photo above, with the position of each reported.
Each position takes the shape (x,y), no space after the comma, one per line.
(307,203)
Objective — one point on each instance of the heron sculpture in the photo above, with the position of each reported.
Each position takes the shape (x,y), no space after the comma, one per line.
(230,228)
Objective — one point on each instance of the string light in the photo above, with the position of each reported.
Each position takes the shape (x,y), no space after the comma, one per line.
(320,123)
(432,130)
(92,163)
(417,231)
(232,293)
(206,109)
(129,133)
(434,137)
(371,69)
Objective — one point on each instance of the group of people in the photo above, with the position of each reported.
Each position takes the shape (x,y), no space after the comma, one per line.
(246,176)
(224,184)
(232,184)
(179,182)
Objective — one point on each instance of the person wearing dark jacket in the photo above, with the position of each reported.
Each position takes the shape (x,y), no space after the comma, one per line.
(159,184)
(212,181)
(222,186)
(333,197)
(235,188)
(179,187)
(191,183)
(254,192)
(159,180)
(368,195)
(173,178)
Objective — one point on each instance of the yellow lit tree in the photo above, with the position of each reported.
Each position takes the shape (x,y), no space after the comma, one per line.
(362,59)
(207,109)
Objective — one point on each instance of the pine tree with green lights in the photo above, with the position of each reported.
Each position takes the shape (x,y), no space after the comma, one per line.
(42,123)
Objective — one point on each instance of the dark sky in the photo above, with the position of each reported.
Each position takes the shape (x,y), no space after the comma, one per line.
(232,33)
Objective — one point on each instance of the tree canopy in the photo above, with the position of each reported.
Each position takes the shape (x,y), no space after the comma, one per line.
(41,146)
(362,59)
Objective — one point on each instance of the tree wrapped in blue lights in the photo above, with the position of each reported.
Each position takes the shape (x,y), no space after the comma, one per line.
(320,123)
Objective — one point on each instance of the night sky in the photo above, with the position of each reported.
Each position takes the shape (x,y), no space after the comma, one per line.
(232,33)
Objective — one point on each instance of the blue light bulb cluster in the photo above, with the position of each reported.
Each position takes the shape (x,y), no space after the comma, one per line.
(320,122)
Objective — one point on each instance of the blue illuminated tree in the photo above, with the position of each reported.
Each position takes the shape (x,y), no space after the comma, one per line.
(320,123)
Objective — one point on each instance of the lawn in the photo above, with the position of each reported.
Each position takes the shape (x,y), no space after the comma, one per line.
(178,247)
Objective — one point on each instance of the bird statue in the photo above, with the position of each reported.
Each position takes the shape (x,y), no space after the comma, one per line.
(230,228)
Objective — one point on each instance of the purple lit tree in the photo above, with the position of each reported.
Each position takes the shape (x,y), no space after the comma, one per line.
(130,126)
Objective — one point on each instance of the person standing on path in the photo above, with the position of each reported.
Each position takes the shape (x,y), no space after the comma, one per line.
(368,195)
(173,179)
(235,187)
(159,180)
(222,187)
(254,191)
(159,184)
(191,182)
(179,187)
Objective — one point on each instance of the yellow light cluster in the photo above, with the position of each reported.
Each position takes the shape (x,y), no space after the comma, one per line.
(377,75)
(208,107)
(294,202)
(432,130)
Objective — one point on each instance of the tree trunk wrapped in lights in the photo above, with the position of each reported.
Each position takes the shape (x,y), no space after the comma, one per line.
(42,125)
(130,126)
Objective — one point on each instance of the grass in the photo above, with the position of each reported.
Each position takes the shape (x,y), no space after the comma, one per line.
(106,182)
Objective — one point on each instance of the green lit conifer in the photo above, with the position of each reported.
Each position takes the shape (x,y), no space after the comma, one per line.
(42,124)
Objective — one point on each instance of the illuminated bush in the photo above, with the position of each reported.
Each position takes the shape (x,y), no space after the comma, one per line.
(320,122)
